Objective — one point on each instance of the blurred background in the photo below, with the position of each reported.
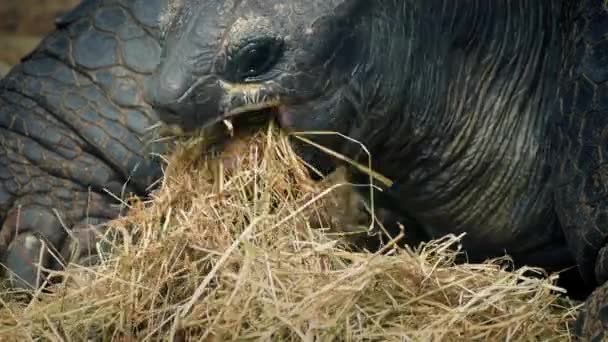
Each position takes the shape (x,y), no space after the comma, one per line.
(23,23)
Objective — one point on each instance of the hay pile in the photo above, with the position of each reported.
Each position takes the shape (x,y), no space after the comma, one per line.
(236,257)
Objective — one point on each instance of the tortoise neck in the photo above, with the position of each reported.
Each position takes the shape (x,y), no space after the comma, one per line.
(445,66)
(468,88)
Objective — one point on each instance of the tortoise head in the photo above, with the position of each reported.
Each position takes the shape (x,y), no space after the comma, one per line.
(227,58)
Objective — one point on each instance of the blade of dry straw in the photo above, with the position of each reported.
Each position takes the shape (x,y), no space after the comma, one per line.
(365,169)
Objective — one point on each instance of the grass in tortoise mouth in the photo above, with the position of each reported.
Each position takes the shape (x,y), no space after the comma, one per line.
(240,122)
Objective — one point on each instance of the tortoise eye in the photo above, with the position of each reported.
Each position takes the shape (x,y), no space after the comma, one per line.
(256,58)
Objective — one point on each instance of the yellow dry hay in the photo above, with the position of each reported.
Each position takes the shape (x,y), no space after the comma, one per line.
(233,255)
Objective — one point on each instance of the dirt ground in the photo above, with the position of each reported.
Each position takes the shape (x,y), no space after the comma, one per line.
(23,23)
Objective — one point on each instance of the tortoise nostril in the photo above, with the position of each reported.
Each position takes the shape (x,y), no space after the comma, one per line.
(168,86)
(254,58)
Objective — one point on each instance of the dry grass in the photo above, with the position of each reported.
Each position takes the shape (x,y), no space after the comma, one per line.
(233,255)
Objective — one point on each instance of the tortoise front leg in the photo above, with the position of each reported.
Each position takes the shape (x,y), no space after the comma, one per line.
(580,150)
(51,191)
(592,323)
(74,128)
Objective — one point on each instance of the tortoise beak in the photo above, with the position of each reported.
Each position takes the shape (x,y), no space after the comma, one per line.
(207,101)
(247,98)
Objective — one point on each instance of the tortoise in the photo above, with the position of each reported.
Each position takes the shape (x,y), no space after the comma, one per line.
(487,117)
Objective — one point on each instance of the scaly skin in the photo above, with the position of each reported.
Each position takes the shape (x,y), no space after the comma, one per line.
(581,147)
(73,129)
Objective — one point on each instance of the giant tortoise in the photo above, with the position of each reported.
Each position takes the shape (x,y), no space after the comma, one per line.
(487,115)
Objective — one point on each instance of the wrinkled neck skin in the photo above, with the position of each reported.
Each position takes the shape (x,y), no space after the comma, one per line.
(456,113)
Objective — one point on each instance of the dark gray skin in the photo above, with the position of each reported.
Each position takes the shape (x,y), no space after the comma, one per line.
(487,115)
(73,130)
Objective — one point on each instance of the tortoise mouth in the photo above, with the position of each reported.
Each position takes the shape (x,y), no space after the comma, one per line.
(247,104)
(242,118)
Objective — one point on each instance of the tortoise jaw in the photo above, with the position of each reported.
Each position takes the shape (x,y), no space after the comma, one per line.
(241,99)
(268,109)
(236,101)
